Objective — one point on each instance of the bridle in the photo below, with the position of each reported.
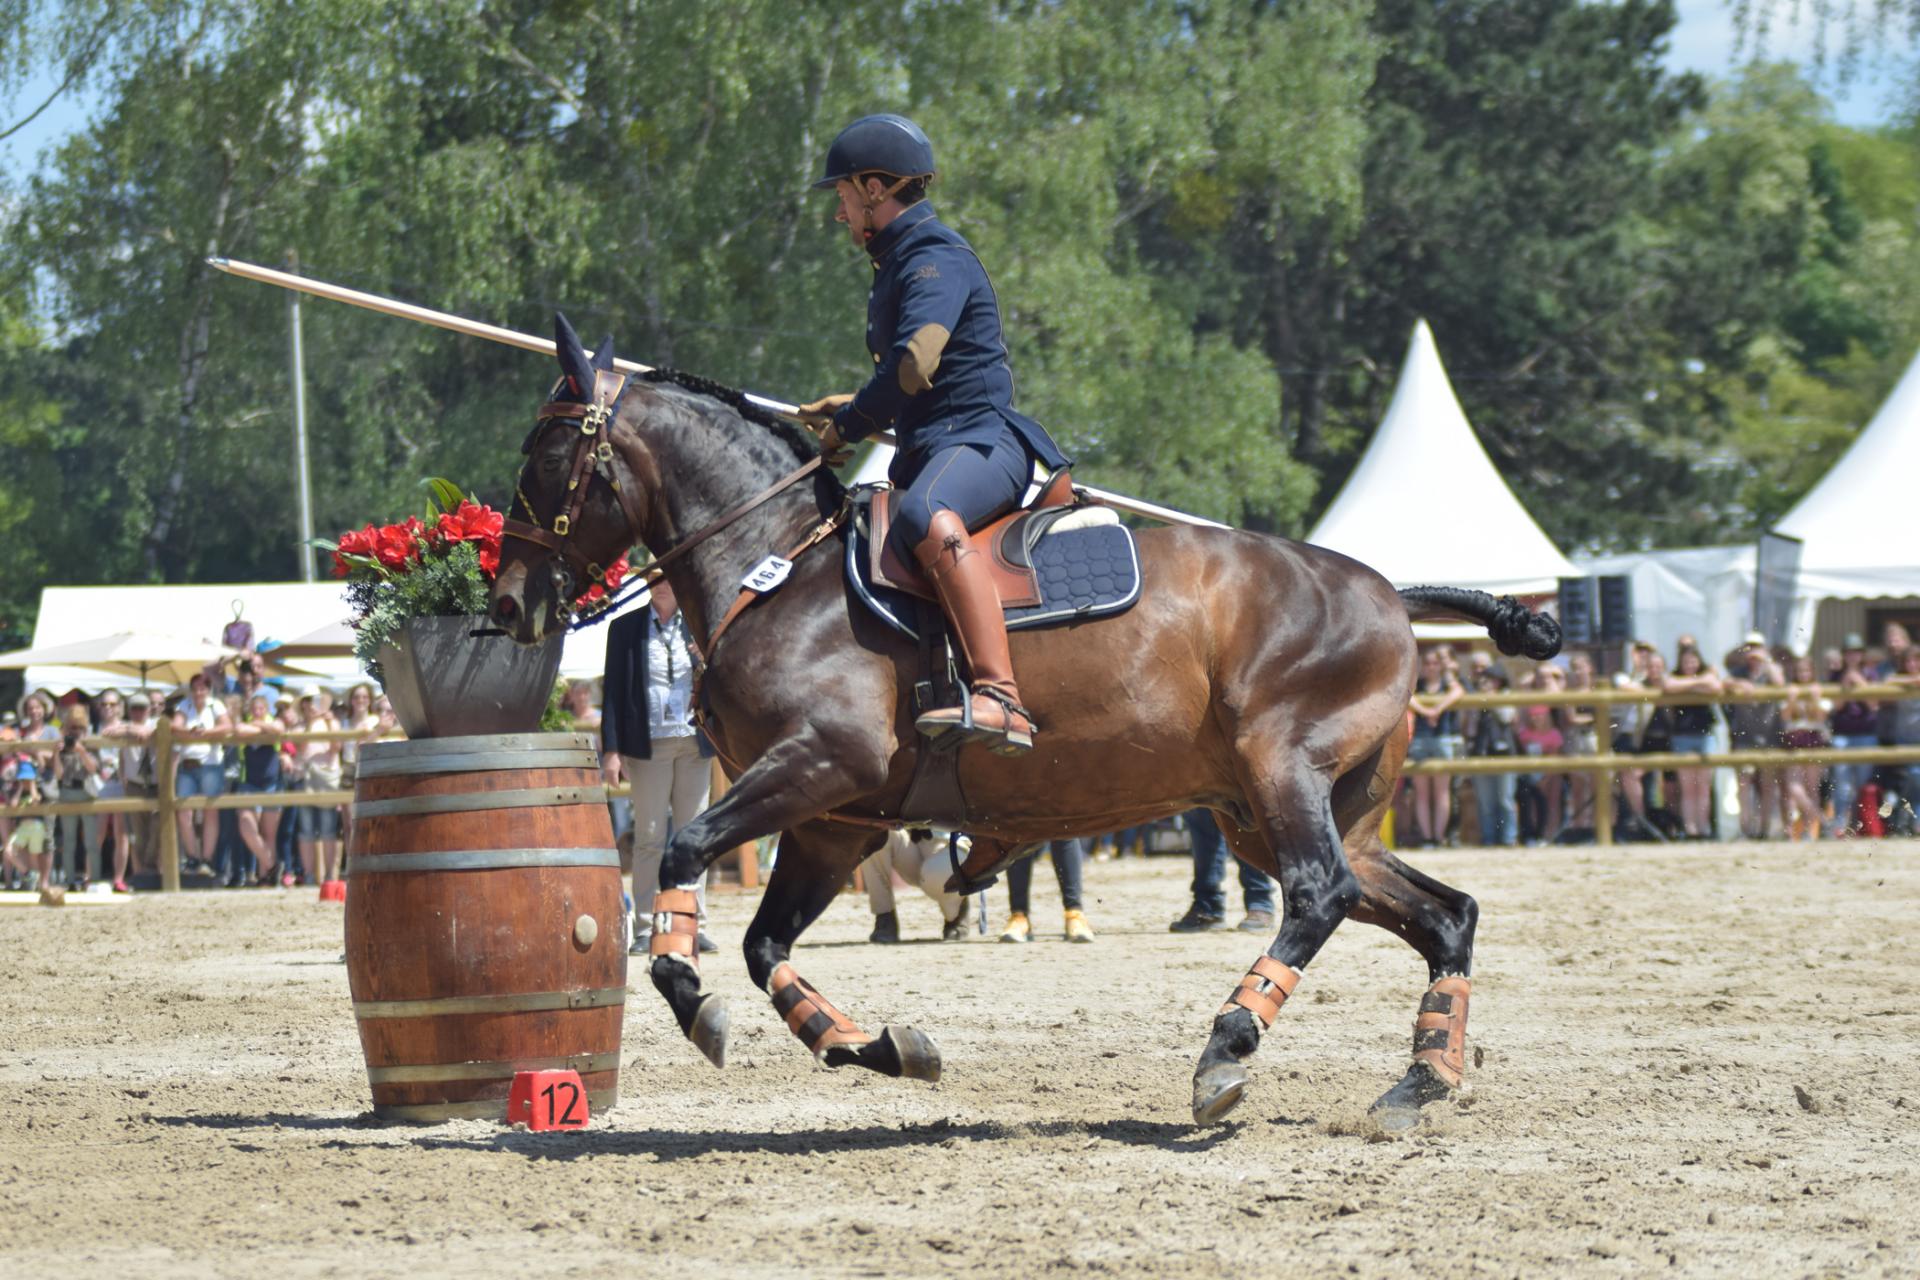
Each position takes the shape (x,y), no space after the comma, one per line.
(593,455)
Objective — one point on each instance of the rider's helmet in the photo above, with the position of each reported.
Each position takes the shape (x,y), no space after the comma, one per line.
(889,144)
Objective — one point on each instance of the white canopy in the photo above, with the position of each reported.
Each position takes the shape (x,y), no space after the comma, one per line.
(1425,505)
(283,611)
(1855,524)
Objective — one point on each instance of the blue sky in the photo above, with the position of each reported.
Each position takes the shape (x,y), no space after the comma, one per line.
(1704,41)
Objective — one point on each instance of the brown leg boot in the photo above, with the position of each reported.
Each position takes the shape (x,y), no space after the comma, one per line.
(960,578)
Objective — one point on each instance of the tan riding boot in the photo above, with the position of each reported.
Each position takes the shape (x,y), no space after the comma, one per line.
(963,582)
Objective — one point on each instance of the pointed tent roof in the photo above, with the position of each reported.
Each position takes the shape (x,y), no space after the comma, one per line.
(1856,523)
(1425,505)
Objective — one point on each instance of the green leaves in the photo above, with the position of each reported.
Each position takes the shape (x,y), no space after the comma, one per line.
(1211,224)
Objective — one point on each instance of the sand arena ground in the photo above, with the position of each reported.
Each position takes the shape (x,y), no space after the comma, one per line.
(1699,1060)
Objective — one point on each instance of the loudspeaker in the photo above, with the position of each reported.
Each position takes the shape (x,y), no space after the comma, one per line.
(1616,608)
(1579,605)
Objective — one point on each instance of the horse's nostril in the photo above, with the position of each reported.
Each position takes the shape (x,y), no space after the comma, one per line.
(504,609)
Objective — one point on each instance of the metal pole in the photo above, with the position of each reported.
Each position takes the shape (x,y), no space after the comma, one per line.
(527,342)
(302,475)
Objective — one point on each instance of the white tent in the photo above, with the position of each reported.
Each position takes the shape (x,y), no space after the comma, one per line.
(1855,525)
(1425,505)
(283,611)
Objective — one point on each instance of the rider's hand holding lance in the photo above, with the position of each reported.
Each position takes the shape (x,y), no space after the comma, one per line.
(942,381)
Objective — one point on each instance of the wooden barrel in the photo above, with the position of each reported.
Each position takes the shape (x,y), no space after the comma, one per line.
(483,922)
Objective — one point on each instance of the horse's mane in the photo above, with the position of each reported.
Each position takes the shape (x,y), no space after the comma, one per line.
(730,399)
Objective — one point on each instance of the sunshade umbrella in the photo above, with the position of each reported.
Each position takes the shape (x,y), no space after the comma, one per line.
(335,640)
(145,655)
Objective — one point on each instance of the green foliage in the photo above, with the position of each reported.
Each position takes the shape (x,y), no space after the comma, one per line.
(554,717)
(1212,225)
(439,586)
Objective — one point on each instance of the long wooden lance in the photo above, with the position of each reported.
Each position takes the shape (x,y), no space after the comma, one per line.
(544,346)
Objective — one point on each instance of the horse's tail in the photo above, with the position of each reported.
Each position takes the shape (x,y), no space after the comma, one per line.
(1515,628)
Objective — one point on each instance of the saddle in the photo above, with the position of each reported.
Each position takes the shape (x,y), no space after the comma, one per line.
(1054,560)
(999,541)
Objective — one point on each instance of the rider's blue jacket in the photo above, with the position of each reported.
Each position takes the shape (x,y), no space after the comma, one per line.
(941,376)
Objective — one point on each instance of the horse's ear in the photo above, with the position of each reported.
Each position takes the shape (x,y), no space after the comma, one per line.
(603,354)
(575,364)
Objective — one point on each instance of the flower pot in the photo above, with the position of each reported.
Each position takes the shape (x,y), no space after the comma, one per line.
(447,678)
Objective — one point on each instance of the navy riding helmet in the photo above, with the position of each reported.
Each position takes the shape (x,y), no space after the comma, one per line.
(888,144)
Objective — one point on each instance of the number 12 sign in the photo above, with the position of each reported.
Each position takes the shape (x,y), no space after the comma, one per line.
(547,1100)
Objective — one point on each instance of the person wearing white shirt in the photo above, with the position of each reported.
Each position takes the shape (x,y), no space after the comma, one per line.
(648,724)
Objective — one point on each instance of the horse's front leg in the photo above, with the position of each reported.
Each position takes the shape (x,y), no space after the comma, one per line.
(815,861)
(799,778)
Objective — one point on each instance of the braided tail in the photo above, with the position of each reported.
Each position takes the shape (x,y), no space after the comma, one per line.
(1515,628)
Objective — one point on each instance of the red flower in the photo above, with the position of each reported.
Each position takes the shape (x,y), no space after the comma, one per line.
(490,560)
(470,522)
(359,542)
(394,545)
(617,571)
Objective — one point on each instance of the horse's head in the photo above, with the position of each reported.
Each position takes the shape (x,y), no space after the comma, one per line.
(577,506)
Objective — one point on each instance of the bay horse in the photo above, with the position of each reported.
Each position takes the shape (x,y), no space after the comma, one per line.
(1262,678)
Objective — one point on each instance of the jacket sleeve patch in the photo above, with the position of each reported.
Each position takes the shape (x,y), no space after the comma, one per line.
(928,272)
(922,356)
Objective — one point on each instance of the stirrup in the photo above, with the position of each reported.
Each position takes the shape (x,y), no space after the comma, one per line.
(937,726)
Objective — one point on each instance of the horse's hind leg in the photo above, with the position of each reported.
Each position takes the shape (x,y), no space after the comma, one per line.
(1295,814)
(1437,921)
(815,860)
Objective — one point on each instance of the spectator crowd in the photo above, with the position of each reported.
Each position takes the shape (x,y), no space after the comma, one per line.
(650,741)
(1537,804)
(44,758)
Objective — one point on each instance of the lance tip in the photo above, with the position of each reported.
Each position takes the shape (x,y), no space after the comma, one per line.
(217,262)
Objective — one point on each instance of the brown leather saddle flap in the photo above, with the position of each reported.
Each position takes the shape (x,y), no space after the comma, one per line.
(1018,586)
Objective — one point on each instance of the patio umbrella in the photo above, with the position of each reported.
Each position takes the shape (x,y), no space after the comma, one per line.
(145,655)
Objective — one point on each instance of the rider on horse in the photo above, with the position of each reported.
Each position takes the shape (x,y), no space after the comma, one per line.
(942,381)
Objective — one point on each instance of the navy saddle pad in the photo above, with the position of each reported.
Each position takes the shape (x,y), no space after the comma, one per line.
(1083,559)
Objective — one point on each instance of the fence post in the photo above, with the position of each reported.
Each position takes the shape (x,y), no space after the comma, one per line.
(1603,807)
(163,801)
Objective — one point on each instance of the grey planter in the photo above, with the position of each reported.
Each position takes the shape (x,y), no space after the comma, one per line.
(446,682)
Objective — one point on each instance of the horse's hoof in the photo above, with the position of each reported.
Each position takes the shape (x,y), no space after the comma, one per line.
(709,1029)
(1398,1109)
(1217,1090)
(919,1055)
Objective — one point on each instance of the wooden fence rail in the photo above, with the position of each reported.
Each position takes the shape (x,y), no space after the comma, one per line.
(165,805)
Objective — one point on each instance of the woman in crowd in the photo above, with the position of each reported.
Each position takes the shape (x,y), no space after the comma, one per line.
(317,768)
(1852,723)
(36,718)
(1691,729)
(199,771)
(1580,737)
(1552,786)
(1905,727)
(107,705)
(1626,721)
(260,775)
(77,771)
(362,719)
(1803,718)
(1537,735)
(286,845)
(1755,726)
(1490,735)
(1436,730)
